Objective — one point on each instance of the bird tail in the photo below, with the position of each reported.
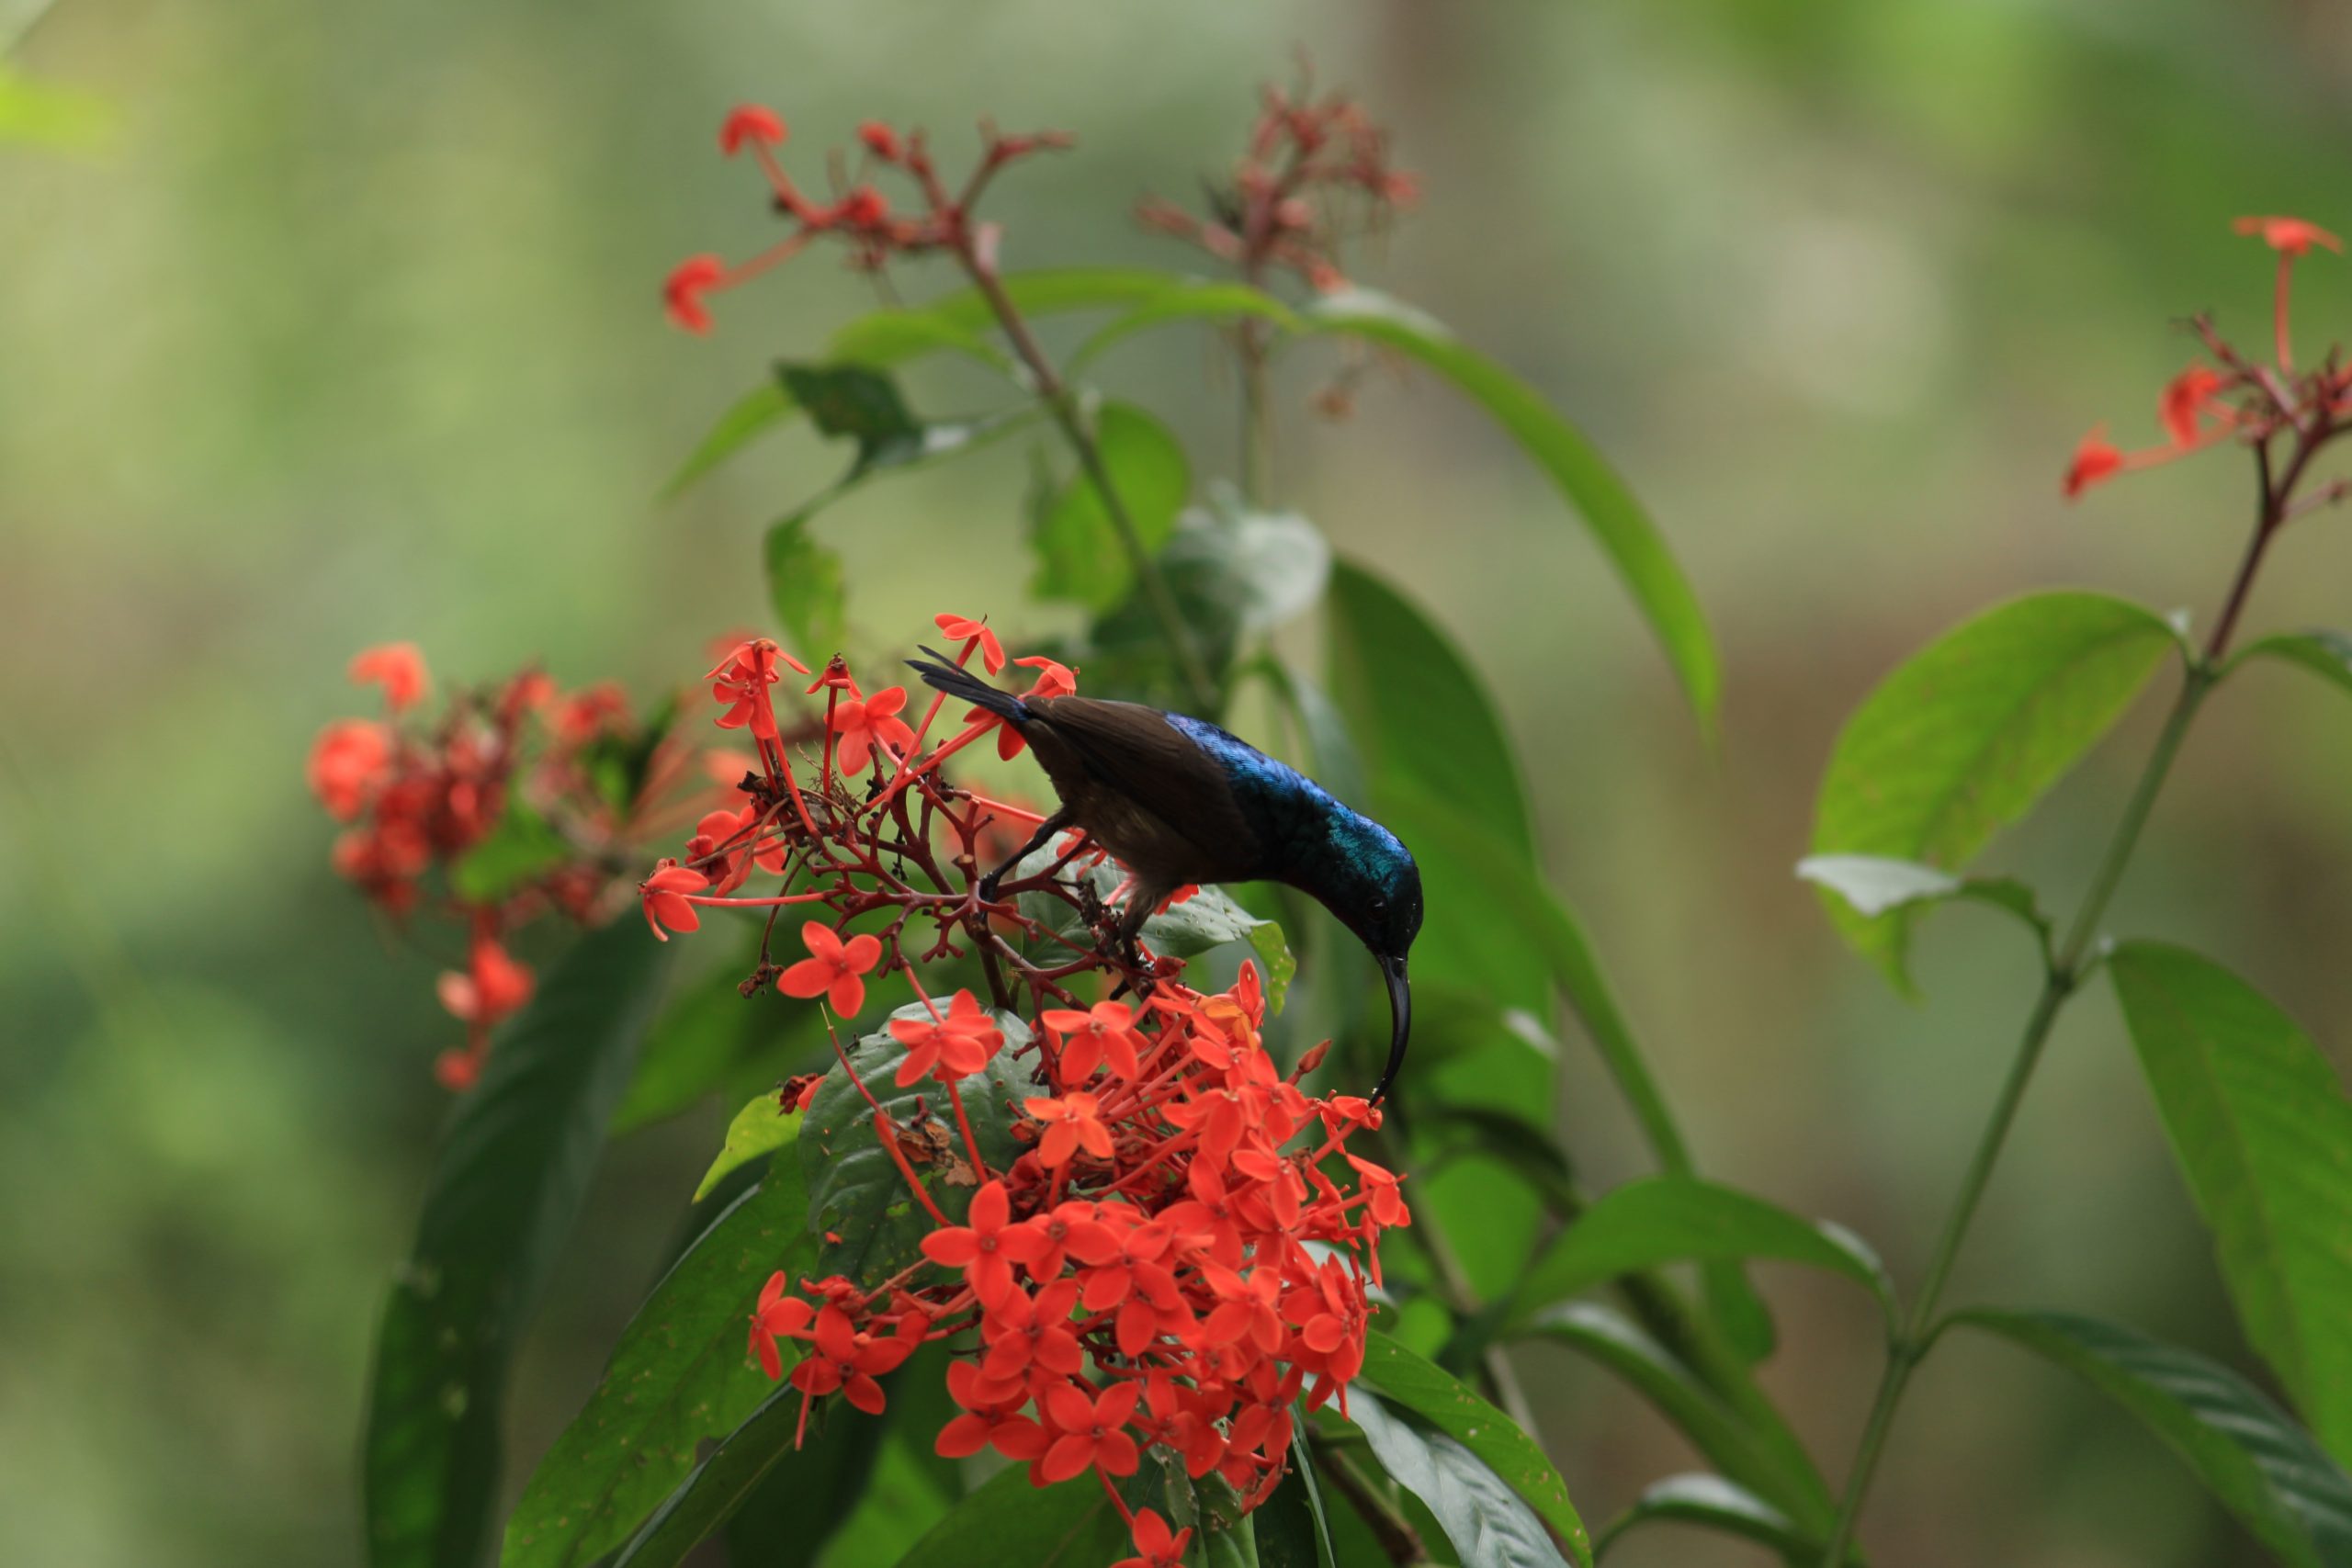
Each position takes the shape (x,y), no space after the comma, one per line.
(943,673)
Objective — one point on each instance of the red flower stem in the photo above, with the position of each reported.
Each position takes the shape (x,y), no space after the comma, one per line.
(909,770)
(1116,1501)
(1004,809)
(825,767)
(2278,314)
(716,903)
(882,1130)
(964,1124)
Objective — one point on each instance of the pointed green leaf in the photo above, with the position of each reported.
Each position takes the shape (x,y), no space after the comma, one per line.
(2327,655)
(1872,884)
(711,1040)
(856,1190)
(682,1374)
(1189,301)
(758,1455)
(1671,1219)
(1007,1521)
(507,1185)
(1617,520)
(756,412)
(762,1127)
(2250,1455)
(1416,1383)
(1292,1530)
(2263,1133)
(1962,739)
(1489,1523)
(1713,1502)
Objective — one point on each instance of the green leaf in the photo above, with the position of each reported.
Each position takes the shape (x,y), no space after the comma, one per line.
(805,586)
(1007,1521)
(762,1127)
(712,1039)
(1713,1502)
(1292,1530)
(1962,739)
(855,1189)
(852,401)
(507,1185)
(1607,1337)
(2263,1133)
(1582,476)
(1872,884)
(1423,721)
(1670,1219)
(2327,655)
(680,1375)
(1189,301)
(755,1458)
(1419,1385)
(1080,557)
(757,411)
(2249,1454)
(522,847)
(1210,918)
(1487,1521)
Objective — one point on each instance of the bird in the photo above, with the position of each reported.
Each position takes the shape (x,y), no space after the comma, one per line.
(1179,801)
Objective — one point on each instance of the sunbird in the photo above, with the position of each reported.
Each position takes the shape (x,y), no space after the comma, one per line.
(1177,800)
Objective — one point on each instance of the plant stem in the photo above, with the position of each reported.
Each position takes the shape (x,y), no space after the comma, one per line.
(1056,395)
(2065,973)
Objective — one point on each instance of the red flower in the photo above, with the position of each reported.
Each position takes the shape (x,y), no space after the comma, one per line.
(1053,681)
(742,680)
(682,295)
(664,896)
(749,123)
(987,1247)
(962,628)
(993,1417)
(874,723)
(348,763)
(845,1360)
(2287,236)
(492,987)
(2188,398)
(833,969)
(1072,1123)
(1105,1033)
(1155,1546)
(2095,460)
(1092,1431)
(880,140)
(777,1314)
(398,667)
(951,1048)
(1025,1332)
(862,208)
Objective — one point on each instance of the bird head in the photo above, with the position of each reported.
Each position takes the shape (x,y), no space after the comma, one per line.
(1375,890)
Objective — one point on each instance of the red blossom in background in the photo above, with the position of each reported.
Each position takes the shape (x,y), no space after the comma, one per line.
(1182,1243)
(2226,396)
(518,757)
(1156,1545)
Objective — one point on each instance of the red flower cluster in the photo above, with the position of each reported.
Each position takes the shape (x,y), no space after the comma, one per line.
(859,215)
(1316,175)
(1183,1242)
(2225,396)
(424,795)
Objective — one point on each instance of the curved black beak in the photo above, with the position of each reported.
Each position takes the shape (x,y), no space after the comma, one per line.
(1400,1015)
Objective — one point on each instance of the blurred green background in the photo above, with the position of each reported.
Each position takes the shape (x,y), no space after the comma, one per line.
(321,325)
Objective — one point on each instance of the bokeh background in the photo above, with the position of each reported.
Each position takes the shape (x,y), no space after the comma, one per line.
(321,325)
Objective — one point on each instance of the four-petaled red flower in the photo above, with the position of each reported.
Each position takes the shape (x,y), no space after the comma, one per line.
(688,282)
(988,1246)
(1092,1432)
(748,124)
(492,985)
(1104,1033)
(1156,1545)
(348,760)
(777,1315)
(1054,680)
(846,1360)
(742,680)
(664,895)
(1072,1123)
(2287,236)
(2188,398)
(833,969)
(991,1417)
(871,725)
(951,1048)
(398,667)
(962,628)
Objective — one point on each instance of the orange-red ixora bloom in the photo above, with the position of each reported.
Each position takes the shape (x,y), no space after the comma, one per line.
(1156,1545)
(1054,680)
(492,985)
(964,628)
(833,969)
(398,667)
(348,762)
(1072,1123)
(687,283)
(664,895)
(2096,459)
(988,1246)
(870,726)
(2187,400)
(1106,1032)
(1092,1428)
(748,124)
(2287,236)
(777,1315)
(950,1047)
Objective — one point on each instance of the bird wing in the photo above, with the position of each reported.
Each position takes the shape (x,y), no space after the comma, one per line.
(1135,751)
